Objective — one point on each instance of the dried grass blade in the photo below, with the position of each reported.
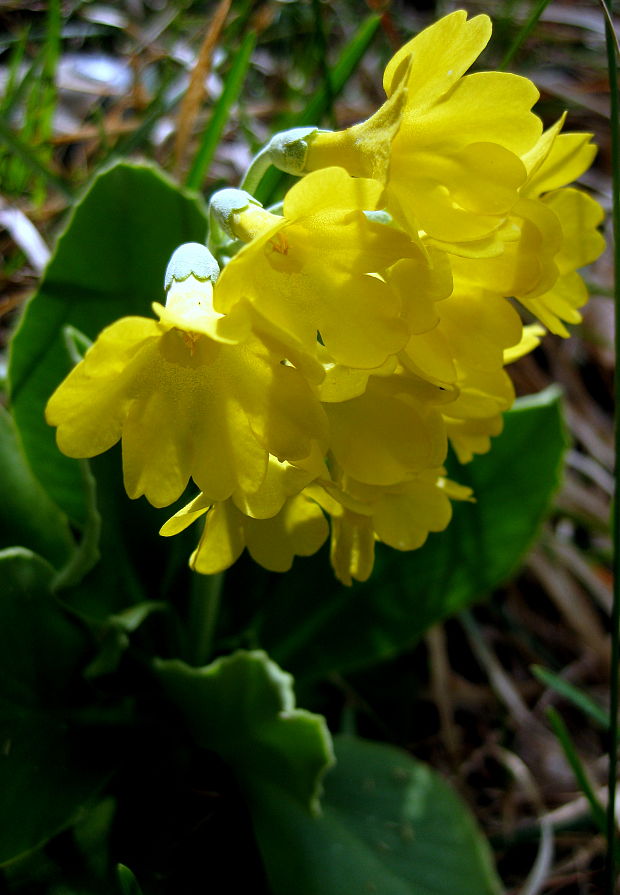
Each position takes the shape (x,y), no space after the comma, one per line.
(196,90)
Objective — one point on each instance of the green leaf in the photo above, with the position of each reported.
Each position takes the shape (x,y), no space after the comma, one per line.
(389,825)
(28,517)
(312,625)
(108,263)
(243,707)
(46,773)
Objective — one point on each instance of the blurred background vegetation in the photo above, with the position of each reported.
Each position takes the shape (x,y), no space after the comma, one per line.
(198,88)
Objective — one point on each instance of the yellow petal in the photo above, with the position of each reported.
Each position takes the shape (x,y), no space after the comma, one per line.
(404,520)
(438,56)
(283,480)
(185,516)
(579,215)
(559,304)
(90,405)
(484,107)
(222,540)
(472,436)
(352,551)
(388,434)
(530,339)
(299,529)
(482,394)
(569,157)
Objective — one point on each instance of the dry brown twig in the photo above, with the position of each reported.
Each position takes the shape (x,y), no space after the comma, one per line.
(196,88)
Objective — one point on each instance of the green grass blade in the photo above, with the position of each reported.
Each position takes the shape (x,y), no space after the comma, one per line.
(213,132)
(14,81)
(524,33)
(612,73)
(24,85)
(348,61)
(320,42)
(316,109)
(25,152)
(573,694)
(561,732)
(51,58)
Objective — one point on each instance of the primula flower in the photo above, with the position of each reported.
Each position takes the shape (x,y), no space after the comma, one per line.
(401,516)
(299,528)
(472,432)
(193,394)
(579,215)
(473,330)
(390,433)
(357,333)
(312,269)
(445,145)
(556,231)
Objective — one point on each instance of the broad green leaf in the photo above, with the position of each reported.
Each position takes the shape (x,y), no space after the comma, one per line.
(28,518)
(389,825)
(46,777)
(108,263)
(243,707)
(312,625)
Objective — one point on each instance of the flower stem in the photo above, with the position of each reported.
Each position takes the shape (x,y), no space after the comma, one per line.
(612,71)
(257,168)
(203,612)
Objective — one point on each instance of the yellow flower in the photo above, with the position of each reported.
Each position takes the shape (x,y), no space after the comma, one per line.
(401,516)
(474,328)
(555,234)
(299,528)
(193,394)
(390,433)
(579,216)
(313,269)
(445,145)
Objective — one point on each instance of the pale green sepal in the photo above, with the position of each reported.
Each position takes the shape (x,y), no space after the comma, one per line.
(226,203)
(287,150)
(191,259)
(380,217)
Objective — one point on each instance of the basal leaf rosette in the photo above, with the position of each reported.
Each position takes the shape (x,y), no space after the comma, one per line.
(446,146)
(191,395)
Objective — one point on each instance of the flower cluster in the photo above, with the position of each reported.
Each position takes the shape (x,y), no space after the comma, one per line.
(355,333)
